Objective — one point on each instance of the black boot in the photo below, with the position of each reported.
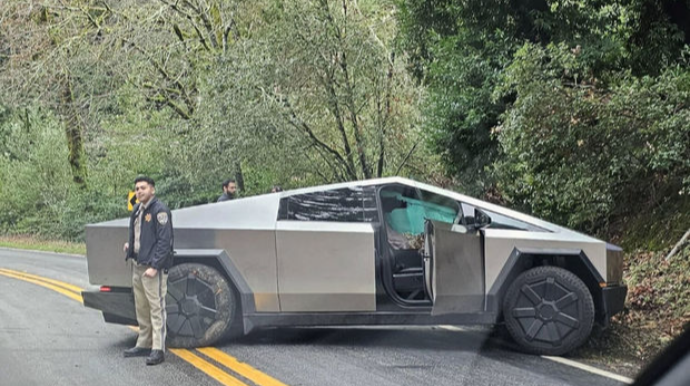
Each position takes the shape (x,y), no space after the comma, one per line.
(137,352)
(156,357)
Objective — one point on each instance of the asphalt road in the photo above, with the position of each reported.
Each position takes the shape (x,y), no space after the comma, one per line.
(47,338)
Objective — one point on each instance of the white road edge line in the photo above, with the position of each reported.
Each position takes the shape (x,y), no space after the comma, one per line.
(453,328)
(568,362)
(590,369)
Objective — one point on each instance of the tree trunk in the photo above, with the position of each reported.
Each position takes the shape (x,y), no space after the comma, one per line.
(239,177)
(75,141)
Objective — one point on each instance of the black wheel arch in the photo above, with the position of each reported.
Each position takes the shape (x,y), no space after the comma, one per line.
(521,260)
(219,259)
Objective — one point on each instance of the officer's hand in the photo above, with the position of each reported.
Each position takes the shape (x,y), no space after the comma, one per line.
(126,247)
(150,272)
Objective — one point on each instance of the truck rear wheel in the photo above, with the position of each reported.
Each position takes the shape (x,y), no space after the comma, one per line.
(548,311)
(200,306)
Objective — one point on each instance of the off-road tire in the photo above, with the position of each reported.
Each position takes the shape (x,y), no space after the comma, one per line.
(201,306)
(548,311)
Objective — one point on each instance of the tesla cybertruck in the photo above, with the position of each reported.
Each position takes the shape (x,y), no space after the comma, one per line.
(388,251)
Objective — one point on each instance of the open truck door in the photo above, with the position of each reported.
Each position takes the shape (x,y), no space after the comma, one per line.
(453,268)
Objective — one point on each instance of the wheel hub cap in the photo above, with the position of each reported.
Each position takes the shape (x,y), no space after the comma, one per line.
(547,311)
(191,306)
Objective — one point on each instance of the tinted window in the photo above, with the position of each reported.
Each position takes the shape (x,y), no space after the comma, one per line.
(356,204)
(406,209)
(499,221)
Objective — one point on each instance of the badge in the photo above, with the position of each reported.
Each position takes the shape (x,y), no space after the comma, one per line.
(147,217)
(162,218)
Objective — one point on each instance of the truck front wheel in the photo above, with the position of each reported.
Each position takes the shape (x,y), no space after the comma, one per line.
(200,306)
(548,311)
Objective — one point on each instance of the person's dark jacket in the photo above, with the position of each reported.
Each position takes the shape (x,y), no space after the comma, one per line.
(156,238)
(225,197)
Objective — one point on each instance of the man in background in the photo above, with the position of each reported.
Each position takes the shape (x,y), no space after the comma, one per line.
(229,190)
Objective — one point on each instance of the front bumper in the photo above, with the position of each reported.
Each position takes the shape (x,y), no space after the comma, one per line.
(612,301)
(117,305)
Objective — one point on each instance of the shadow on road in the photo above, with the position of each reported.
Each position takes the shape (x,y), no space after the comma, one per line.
(485,347)
(395,338)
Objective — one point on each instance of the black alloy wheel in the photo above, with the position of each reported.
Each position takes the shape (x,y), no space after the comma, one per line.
(548,311)
(200,306)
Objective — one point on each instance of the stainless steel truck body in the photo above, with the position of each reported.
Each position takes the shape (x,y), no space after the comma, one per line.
(387,251)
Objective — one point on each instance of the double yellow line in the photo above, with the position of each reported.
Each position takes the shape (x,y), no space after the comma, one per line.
(245,371)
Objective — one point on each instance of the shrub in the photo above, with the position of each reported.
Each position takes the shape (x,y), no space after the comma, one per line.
(585,152)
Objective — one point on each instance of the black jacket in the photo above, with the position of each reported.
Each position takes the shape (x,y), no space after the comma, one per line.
(156,239)
(225,197)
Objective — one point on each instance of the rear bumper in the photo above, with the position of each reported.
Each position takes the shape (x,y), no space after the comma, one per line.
(612,301)
(117,305)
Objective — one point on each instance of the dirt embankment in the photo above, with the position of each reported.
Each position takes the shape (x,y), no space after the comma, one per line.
(657,309)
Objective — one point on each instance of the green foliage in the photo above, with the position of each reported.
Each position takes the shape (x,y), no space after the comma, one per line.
(39,196)
(192,93)
(460,110)
(31,176)
(570,109)
(657,229)
(39,244)
(573,110)
(582,154)
(320,96)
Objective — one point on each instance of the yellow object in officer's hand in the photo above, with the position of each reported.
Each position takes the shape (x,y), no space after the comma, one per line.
(131,201)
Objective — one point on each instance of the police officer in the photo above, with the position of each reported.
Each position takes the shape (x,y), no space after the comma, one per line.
(150,245)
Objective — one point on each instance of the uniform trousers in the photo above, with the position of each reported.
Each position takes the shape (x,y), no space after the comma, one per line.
(149,299)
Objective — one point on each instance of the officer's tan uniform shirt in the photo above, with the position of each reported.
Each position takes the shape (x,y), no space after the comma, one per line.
(137,227)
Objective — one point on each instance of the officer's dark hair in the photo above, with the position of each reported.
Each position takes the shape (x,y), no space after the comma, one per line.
(146,179)
(226,182)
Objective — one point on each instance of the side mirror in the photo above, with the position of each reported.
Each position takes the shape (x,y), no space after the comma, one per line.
(481,219)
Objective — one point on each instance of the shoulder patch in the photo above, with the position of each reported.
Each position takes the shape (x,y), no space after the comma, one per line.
(162,218)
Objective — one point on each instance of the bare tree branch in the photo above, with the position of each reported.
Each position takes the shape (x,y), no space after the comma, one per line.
(349,88)
(383,122)
(404,161)
(298,123)
(176,82)
(209,27)
(335,110)
(189,17)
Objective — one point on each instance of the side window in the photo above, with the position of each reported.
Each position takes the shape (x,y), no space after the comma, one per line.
(439,208)
(405,209)
(356,204)
(499,221)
